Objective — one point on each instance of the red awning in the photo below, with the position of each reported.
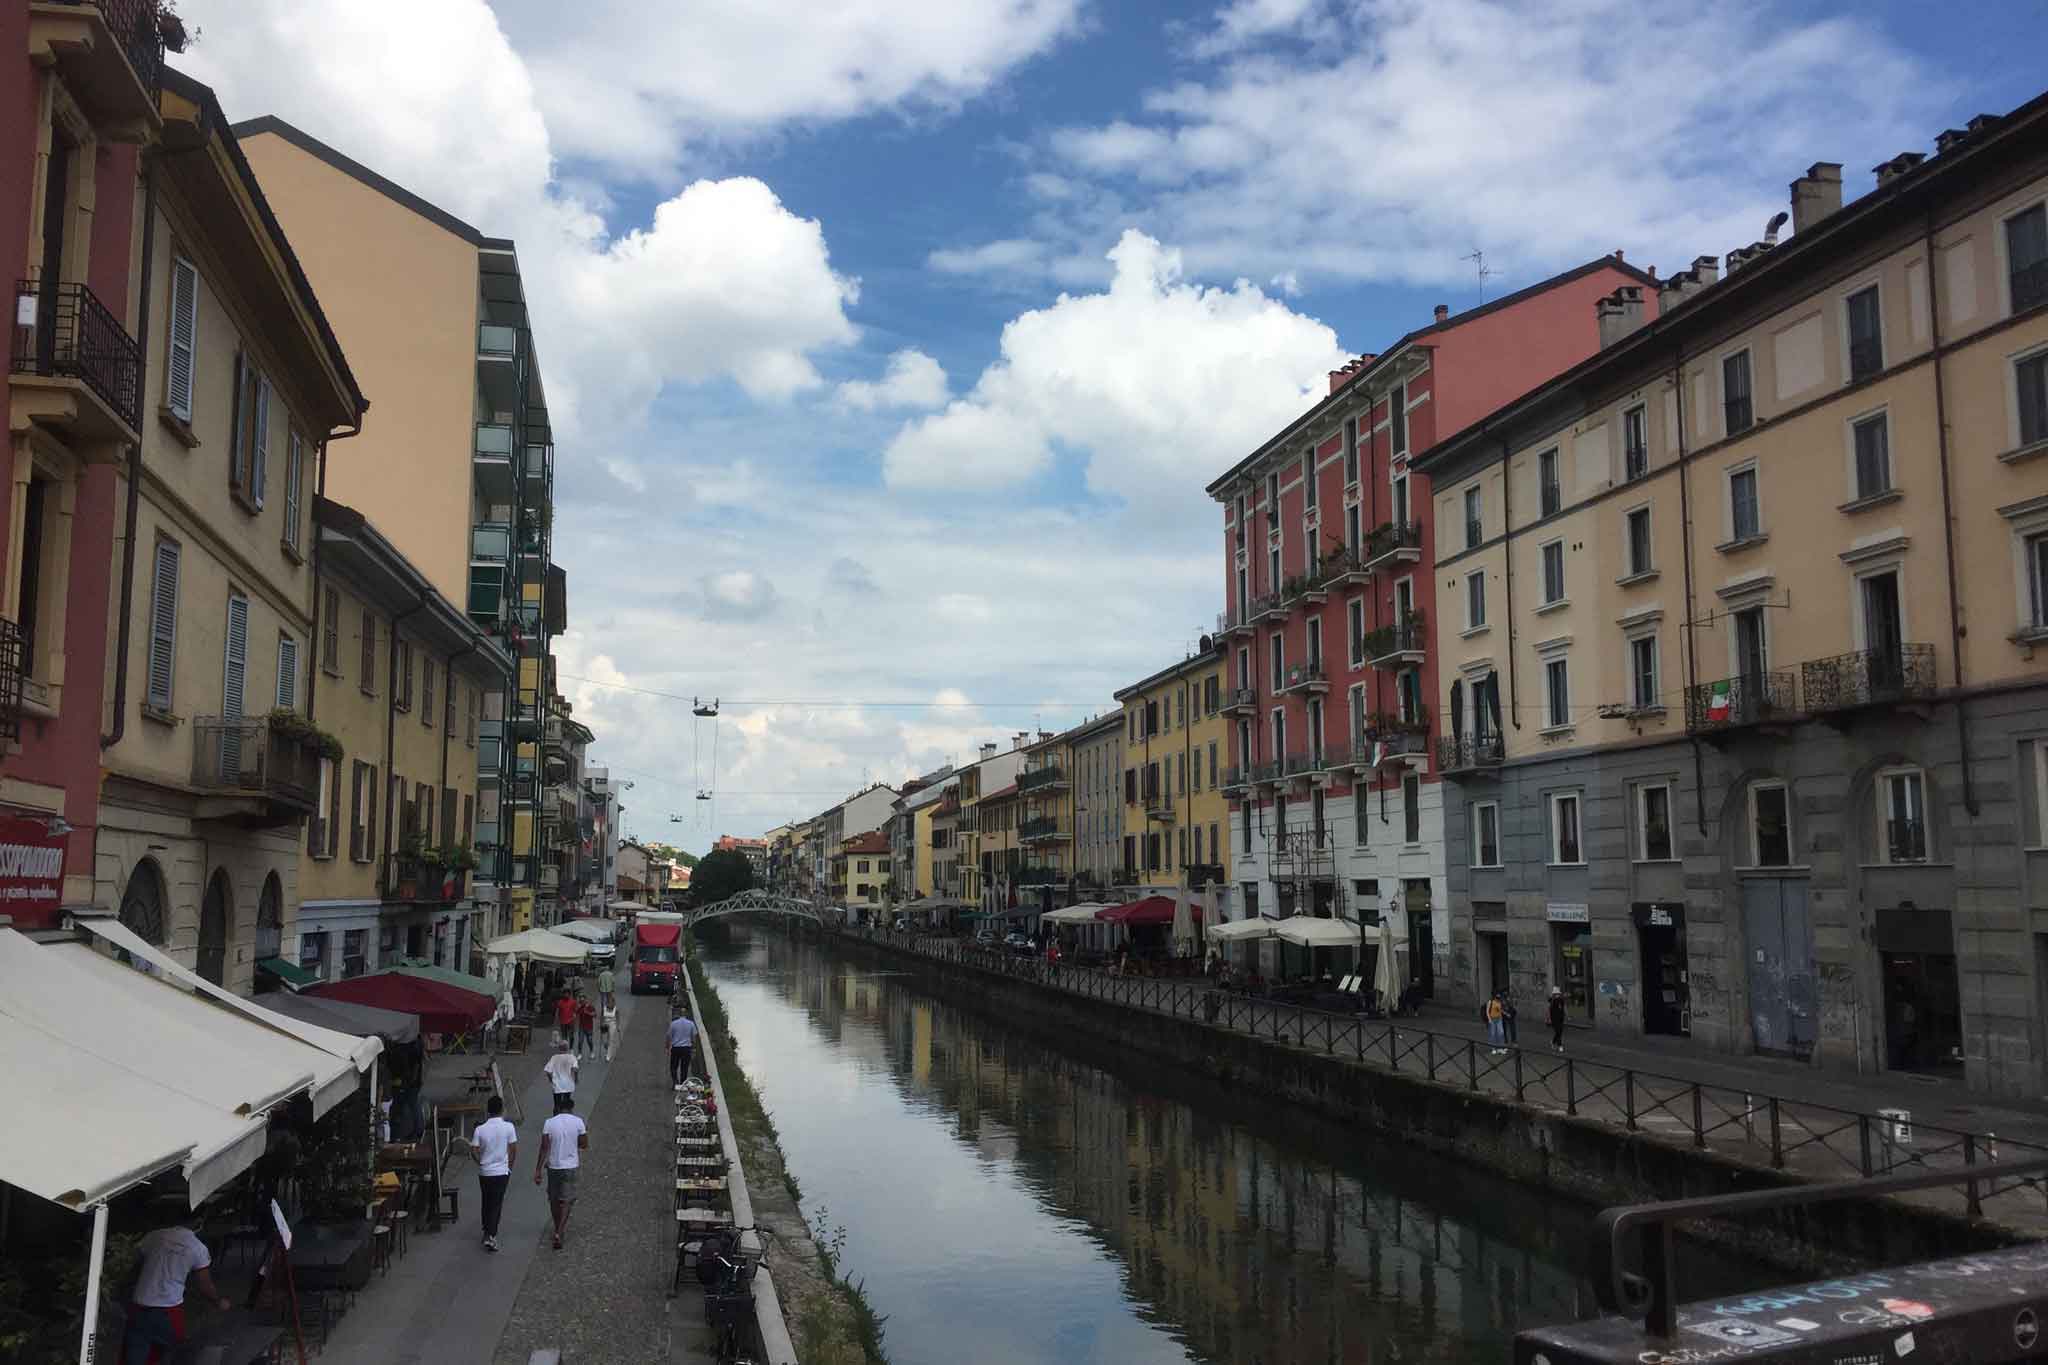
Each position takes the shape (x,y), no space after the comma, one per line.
(440,1007)
(1149,910)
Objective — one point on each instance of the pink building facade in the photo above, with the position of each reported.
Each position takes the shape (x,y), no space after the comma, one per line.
(1331,618)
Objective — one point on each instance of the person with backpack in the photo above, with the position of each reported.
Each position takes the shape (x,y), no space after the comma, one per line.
(1557,1018)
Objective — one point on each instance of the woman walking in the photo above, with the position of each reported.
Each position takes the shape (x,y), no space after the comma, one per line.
(1557,1018)
(1496,1025)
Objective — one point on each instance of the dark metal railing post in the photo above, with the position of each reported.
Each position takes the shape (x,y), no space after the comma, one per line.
(1974,1204)
(1628,1093)
(1571,1088)
(1429,1052)
(1777,1135)
(1472,1064)
(1518,1075)
(1393,1048)
(1863,1140)
(1699,1135)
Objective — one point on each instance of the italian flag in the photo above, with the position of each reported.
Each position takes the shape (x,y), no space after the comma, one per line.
(1718,705)
(1379,752)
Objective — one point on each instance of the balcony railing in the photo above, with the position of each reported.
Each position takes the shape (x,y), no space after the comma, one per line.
(409,877)
(72,335)
(1308,677)
(1343,566)
(11,652)
(1036,874)
(2030,285)
(1237,700)
(238,755)
(1305,763)
(1268,772)
(490,544)
(1454,755)
(1234,779)
(1266,604)
(1868,677)
(1049,778)
(134,24)
(1906,840)
(496,339)
(1404,642)
(1306,853)
(1392,542)
(1044,829)
(1866,357)
(1746,699)
(1159,806)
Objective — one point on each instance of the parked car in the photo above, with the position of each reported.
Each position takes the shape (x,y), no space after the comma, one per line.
(984,938)
(1017,942)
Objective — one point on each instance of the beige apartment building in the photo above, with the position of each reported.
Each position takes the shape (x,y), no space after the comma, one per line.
(457,470)
(397,675)
(216,766)
(1742,640)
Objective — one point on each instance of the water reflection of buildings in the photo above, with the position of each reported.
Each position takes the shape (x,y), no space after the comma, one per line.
(1234,1229)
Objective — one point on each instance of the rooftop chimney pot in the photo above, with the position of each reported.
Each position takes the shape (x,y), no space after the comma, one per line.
(1706,269)
(1442,311)
(1816,194)
(1888,171)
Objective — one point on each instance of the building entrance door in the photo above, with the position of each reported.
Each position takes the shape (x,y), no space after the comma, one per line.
(1923,1018)
(1667,1003)
(1421,938)
(1493,962)
(1781,985)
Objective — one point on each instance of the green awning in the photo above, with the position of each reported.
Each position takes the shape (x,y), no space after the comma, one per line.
(290,973)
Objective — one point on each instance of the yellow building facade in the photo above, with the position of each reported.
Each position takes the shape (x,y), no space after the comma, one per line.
(1176,821)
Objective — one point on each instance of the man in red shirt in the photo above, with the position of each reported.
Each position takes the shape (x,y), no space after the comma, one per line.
(565,1018)
(586,1026)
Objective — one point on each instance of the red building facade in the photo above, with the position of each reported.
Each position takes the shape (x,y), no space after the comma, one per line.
(1331,617)
(73,122)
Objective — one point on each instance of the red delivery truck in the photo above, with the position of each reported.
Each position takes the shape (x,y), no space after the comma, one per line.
(657,951)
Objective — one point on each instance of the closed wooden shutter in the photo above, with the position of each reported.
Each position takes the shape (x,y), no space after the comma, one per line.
(259,440)
(294,466)
(163,625)
(370,825)
(238,422)
(234,677)
(287,673)
(356,827)
(184,336)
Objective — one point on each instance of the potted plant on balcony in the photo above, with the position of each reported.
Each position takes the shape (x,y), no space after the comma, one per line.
(290,725)
(411,865)
(171,28)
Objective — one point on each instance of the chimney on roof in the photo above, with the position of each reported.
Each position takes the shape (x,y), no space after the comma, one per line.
(1888,171)
(1442,311)
(1618,314)
(988,750)
(1705,269)
(1352,367)
(1816,194)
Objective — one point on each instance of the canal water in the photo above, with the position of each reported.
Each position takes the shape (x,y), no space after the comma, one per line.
(1005,1200)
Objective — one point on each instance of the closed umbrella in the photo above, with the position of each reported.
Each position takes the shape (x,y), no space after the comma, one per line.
(439,1006)
(1390,976)
(1183,924)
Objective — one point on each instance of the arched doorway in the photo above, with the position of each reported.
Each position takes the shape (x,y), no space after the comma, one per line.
(270,919)
(213,928)
(142,903)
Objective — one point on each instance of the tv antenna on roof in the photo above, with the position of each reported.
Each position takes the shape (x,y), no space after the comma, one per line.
(1478,258)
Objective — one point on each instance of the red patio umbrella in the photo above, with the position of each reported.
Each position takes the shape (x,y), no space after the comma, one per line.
(1147,910)
(440,1006)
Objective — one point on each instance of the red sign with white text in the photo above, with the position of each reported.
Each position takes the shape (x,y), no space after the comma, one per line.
(31,871)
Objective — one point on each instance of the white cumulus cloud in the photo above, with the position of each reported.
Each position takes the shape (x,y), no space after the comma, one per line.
(1157,383)
(912,380)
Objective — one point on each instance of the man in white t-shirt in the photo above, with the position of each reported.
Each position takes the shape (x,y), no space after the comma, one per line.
(563,1140)
(561,1069)
(497,1147)
(166,1258)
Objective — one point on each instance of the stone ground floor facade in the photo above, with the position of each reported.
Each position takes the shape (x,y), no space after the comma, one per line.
(1852,892)
(1364,859)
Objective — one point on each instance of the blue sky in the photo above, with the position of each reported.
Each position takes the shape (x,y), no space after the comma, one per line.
(890,345)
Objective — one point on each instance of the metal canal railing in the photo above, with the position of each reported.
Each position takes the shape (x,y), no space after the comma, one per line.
(1810,1140)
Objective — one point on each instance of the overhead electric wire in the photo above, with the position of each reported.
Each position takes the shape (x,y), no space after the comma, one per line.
(819,705)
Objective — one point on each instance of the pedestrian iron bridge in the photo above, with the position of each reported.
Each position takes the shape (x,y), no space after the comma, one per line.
(754,903)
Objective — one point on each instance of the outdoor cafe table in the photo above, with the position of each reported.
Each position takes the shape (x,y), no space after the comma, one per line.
(330,1255)
(231,1338)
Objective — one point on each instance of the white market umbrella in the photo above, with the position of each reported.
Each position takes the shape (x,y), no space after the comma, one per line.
(1311,931)
(1240,930)
(1083,913)
(589,930)
(540,945)
(1183,923)
(1389,975)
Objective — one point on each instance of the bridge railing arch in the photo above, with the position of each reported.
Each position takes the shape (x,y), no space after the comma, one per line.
(755,901)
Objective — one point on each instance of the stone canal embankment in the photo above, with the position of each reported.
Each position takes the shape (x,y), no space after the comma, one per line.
(1595,1132)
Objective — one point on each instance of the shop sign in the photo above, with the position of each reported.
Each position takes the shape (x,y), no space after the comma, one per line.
(31,868)
(1659,915)
(1568,912)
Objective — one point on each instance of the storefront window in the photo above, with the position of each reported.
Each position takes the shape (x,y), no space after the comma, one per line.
(313,953)
(353,943)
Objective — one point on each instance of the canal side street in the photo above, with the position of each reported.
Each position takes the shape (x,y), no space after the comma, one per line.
(1713,1117)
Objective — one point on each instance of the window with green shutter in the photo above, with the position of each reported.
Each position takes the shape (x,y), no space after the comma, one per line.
(163,625)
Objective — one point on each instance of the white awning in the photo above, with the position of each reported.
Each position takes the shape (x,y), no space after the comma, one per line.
(628,906)
(358,1052)
(660,917)
(589,930)
(1238,930)
(1074,914)
(130,1076)
(541,944)
(1312,931)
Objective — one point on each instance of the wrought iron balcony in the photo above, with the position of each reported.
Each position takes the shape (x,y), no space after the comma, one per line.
(1234,620)
(1267,773)
(11,655)
(410,878)
(1159,806)
(1044,829)
(1469,753)
(1393,543)
(235,755)
(1304,853)
(1050,778)
(1239,701)
(1235,779)
(1906,841)
(1306,763)
(72,335)
(1269,605)
(1035,874)
(1399,645)
(1344,566)
(1308,677)
(1746,699)
(1868,677)
(117,81)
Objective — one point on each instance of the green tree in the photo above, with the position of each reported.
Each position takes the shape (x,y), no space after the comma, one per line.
(720,874)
